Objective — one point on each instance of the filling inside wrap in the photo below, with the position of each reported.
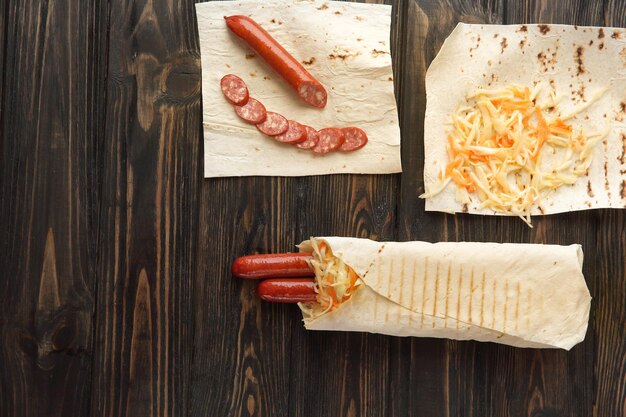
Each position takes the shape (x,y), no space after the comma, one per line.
(335,281)
(525,295)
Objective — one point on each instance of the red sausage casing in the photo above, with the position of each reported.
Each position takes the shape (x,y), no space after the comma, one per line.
(308,88)
(287,290)
(272,265)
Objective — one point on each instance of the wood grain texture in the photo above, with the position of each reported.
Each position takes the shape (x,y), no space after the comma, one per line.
(609,285)
(116,297)
(241,344)
(149,209)
(48,204)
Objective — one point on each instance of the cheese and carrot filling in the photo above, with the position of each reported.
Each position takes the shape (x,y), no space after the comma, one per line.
(509,148)
(335,282)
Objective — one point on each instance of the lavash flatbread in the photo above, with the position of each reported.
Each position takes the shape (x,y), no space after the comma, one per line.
(578,62)
(346,46)
(524,295)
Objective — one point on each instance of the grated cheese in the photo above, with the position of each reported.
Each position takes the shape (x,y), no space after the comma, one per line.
(508,151)
(334,281)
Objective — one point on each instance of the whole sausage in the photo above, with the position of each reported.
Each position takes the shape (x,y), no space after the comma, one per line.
(290,290)
(272,265)
(308,88)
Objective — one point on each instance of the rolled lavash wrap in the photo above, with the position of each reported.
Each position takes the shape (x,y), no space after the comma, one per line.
(524,295)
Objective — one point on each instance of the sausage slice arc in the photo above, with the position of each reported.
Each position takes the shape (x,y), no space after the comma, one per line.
(252,112)
(355,139)
(312,137)
(330,139)
(296,133)
(274,124)
(234,89)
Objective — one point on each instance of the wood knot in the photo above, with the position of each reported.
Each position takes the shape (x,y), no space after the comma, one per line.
(181,80)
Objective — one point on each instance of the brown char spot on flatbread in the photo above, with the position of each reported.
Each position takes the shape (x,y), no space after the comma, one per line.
(589,189)
(600,33)
(523,28)
(580,93)
(465,208)
(359,18)
(309,61)
(578,57)
(622,157)
(541,57)
(591,42)
(276,22)
(622,190)
(616,35)
(503,44)
(544,29)
(323,7)
(342,54)
(378,52)
(522,43)
(601,46)
(250,56)
(607,185)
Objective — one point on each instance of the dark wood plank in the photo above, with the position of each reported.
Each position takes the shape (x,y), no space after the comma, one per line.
(147,235)
(568,12)
(609,398)
(254,358)
(241,345)
(334,373)
(51,101)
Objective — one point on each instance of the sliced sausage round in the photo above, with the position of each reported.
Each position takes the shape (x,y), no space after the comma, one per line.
(355,139)
(234,89)
(252,112)
(296,133)
(274,124)
(312,137)
(330,139)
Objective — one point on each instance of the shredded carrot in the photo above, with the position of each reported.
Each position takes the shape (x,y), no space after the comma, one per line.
(498,161)
(543,131)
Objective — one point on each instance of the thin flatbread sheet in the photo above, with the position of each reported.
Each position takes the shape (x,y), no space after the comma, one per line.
(524,295)
(578,62)
(344,45)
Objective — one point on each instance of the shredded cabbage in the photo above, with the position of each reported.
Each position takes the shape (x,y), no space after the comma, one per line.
(335,281)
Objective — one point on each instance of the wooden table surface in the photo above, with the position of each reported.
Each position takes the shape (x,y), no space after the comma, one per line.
(115,292)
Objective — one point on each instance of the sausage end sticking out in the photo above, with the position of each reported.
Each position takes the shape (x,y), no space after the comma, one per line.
(287,290)
(272,265)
